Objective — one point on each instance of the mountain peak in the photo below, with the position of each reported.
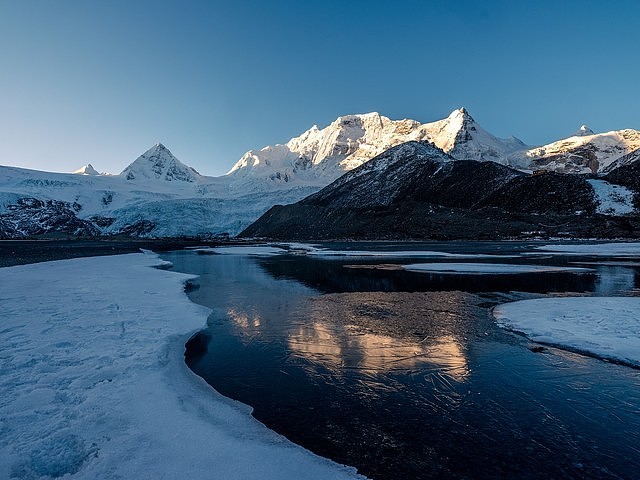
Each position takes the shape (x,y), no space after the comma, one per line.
(584,131)
(351,140)
(158,163)
(87,170)
(358,118)
(461,114)
(158,147)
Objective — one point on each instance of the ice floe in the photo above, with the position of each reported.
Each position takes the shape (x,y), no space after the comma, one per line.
(329,253)
(489,268)
(621,249)
(608,327)
(254,250)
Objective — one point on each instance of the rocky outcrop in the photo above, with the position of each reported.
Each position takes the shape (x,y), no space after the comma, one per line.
(31,217)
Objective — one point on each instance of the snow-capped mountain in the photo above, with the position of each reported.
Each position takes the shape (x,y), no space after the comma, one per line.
(583,131)
(319,156)
(87,170)
(158,163)
(584,152)
(464,139)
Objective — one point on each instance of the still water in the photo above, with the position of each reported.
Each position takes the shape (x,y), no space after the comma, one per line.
(405,375)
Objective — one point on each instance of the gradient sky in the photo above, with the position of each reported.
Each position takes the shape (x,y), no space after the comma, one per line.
(99,82)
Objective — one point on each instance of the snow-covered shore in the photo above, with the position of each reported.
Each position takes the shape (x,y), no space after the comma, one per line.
(93,382)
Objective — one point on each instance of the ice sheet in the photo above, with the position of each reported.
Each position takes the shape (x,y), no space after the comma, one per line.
(93,383)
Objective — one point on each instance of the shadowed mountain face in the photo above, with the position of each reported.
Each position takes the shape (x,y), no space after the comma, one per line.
(415,190)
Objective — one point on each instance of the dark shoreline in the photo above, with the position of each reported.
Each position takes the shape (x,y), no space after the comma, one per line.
(21,252)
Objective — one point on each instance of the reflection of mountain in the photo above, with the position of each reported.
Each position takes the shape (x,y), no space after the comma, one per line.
(380,333)
(332,276)
(374,333)
(346,348)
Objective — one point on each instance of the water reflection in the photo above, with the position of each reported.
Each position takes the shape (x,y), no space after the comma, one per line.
(318,343)
(338,335)
(248,323)
(615,280)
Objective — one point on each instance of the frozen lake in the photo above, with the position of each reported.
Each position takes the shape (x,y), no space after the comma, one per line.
(405,374)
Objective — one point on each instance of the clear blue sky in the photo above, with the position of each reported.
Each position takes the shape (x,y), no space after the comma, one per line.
(101,81)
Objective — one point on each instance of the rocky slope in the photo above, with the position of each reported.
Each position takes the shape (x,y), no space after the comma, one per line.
(30,217)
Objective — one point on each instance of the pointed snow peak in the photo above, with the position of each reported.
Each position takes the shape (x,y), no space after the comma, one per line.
(157,148)
(460,123)
(461,114)
(159,163)
(584,131)
(87,170)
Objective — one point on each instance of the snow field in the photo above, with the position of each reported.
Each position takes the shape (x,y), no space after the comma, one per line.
(612,199)
(93,382)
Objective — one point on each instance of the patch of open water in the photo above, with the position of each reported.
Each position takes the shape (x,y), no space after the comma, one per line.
(405,374)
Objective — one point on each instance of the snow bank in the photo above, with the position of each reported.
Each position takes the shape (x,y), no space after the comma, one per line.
(488,268)
(93,382)
(626,249)
(605,326)
(612,199)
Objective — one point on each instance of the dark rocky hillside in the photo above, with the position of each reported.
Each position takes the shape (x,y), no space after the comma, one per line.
(544,194)
(416,191)
(30,217)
